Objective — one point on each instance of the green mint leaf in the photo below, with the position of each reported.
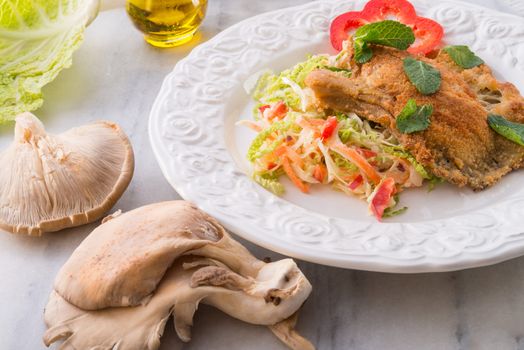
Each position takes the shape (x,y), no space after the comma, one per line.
(426,78)
(362,52)
(414,118)
(463,56)
(386,33)
(511,131)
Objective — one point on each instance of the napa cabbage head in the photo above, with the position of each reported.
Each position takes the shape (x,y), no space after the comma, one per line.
(37,40)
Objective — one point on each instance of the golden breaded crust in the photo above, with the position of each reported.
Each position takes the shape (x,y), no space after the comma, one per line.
(459,146)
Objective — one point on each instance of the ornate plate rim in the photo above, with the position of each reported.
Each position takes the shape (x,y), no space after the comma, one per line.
(382,255)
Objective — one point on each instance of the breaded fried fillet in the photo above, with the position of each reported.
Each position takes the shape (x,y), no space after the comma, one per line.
(459,146)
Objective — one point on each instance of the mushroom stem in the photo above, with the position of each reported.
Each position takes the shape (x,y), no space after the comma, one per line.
(28,129)
(285,331)
(138,268)
(180,292)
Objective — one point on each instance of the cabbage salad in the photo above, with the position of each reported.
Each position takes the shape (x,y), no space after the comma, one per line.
(314,147)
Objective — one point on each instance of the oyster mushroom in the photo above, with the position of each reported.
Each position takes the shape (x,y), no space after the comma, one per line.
(122,261)
(133,272)
(51,182)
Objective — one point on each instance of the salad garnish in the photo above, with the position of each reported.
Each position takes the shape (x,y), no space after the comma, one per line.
(303,140)
(427,32)
(510,130)
(463,56)
(311,146)
(385,33)
(382,197)
(425,77)
(414,118)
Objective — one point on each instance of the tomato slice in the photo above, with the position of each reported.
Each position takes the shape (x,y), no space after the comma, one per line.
(329,127)
(342,25)
(381,197)
(400,10)
(428,34)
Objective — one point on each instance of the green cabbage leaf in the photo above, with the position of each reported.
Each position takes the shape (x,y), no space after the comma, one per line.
(37,40)
(273,88)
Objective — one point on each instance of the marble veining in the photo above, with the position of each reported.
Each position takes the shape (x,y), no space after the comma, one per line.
(116,76)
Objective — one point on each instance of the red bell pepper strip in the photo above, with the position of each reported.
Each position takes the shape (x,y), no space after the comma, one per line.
(428,33)
(262,108)
(356,183)
(367,153)
(329,127)
(381,197)
(271,165)
(278,110)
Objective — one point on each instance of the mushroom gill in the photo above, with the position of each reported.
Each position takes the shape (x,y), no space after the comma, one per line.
(137,269)
(51,182)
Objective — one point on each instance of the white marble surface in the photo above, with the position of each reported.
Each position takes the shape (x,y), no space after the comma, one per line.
(116,76)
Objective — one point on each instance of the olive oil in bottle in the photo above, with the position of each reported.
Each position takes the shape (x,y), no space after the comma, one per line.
(167,23)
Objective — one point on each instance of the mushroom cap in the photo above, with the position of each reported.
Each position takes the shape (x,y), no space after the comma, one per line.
(121,262)
(51,182)
(136,269)
(191,280)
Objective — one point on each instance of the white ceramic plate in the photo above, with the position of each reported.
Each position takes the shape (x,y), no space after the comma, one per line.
(202,152)
(517,6)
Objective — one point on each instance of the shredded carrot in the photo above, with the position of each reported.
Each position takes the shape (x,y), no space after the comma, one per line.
(355,158)
(280,151)
(269,158)
(294,157)
(306,124)
(316,122)
(320,173)
(291,174)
